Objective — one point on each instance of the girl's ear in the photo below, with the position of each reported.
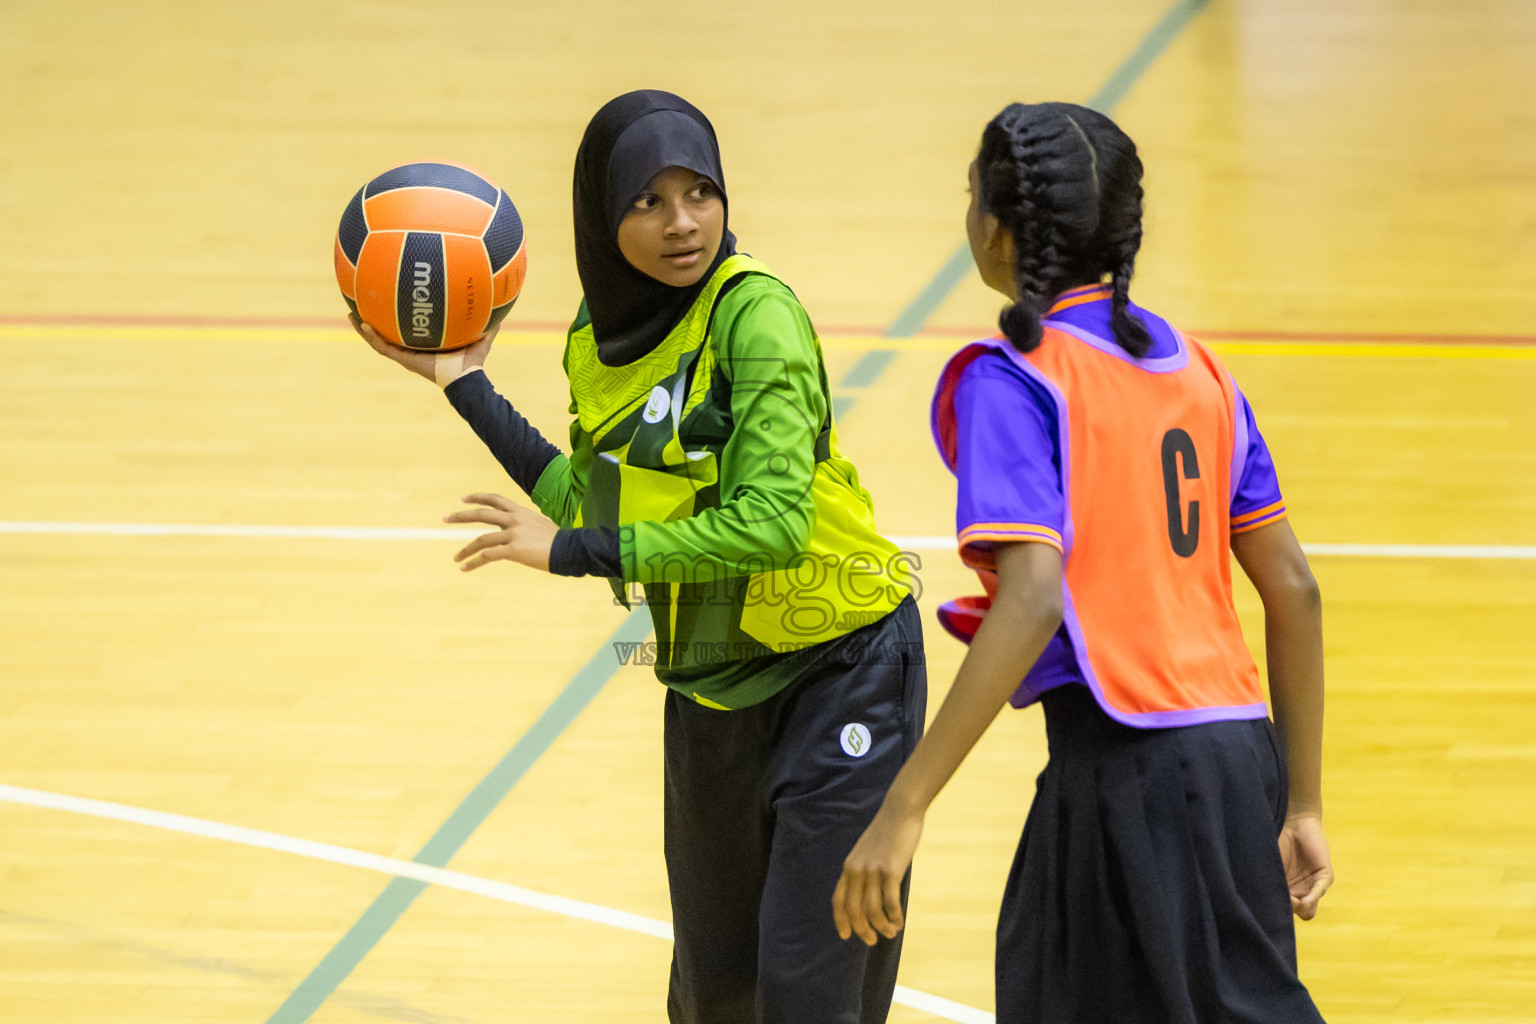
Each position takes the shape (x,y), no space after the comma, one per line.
(997,256)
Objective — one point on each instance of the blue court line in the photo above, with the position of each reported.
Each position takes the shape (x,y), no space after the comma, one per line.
(398,895)
(1105,100)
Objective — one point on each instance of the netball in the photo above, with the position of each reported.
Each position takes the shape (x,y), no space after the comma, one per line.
(431,255)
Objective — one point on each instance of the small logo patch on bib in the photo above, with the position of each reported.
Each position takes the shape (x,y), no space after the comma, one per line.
(657,406)
(855,740)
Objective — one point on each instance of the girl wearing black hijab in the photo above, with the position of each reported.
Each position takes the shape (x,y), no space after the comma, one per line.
(705,472)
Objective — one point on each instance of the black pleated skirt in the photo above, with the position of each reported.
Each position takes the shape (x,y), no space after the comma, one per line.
(1148,886)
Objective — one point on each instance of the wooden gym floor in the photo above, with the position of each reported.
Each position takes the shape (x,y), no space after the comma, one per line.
(265,756)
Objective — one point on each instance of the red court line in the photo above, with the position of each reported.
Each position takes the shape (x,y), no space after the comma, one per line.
(1323,337)
(108,320)
(1315,337)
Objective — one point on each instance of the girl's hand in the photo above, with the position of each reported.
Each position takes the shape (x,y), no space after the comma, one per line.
(522,534)
(867,899)
(1308,868)
(441,368)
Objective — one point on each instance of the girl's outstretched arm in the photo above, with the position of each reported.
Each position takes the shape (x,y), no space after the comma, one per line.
(1293,638)
(1022,619)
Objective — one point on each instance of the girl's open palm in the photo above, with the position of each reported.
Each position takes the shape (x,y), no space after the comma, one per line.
(521,534)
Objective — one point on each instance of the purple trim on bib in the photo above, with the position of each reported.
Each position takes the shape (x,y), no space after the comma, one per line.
(1163,364)
(1142,720)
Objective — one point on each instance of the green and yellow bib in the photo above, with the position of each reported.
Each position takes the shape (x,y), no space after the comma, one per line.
(647,444)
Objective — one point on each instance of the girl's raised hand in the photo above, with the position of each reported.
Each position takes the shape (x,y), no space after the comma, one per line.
(522,535)
(867,900)
(441,368)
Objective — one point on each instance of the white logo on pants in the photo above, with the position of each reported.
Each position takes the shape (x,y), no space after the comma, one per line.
(855,740)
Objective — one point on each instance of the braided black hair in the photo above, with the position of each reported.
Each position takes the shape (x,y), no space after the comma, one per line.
(1065,181)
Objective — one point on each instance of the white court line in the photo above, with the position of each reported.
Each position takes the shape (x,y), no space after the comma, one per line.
(239,530)
(1493,551)
(914,542)
(502,891)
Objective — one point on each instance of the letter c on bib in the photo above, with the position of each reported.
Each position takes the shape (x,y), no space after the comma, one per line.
(1183,534)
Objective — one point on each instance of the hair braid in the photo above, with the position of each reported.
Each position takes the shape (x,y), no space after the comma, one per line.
(1121,174)
(1130,332)
(1020,322)
(1066,183)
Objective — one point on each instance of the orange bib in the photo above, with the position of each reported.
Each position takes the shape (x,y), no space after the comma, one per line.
(1146,466)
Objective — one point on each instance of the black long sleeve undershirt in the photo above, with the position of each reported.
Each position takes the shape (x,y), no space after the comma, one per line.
(522,451)
(525,453)
(588,551)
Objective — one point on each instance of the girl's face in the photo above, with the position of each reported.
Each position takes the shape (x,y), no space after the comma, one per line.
(991,245)
(674,229)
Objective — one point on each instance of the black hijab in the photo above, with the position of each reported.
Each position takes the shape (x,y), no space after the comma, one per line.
(629,141)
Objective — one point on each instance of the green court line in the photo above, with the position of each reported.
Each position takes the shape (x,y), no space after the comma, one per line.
(911,319)
(868,369)
(398,895)
(955,269)
(1145,55)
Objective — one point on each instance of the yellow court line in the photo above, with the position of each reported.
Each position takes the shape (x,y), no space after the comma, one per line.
(1378,350)
(831,342)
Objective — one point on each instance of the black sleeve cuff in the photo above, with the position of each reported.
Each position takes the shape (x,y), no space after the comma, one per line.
(586,551)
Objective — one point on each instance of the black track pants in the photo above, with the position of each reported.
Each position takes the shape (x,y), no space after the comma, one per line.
(762,806)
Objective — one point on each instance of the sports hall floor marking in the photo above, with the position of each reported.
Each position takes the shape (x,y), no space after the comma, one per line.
(417,874)
(908,542)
